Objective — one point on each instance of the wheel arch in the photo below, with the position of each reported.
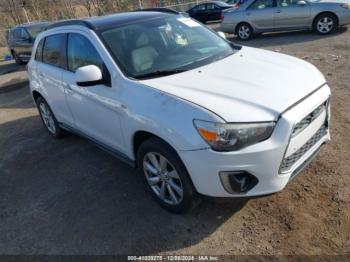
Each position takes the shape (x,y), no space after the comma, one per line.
(141,136)
(323,13)
(244,22)
(36,95)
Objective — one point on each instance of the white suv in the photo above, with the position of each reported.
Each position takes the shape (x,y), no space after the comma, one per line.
(195,113)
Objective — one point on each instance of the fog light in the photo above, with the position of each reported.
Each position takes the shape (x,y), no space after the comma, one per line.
(238,181)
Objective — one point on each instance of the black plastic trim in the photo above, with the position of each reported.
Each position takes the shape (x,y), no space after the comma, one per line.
(72,22)
(117,154)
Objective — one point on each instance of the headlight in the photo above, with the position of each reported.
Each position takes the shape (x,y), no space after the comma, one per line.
(231,137)
(346,6)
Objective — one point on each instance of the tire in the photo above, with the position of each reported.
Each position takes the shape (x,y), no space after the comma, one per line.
(17,59)
(49,119)
(244,31)
(169,183)
(325,24)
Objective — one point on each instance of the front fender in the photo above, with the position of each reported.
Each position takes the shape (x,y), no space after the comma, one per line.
(164,115)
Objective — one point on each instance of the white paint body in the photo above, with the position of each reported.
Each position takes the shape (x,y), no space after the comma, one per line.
(250,86)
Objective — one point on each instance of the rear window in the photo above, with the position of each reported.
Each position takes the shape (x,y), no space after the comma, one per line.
(54,50)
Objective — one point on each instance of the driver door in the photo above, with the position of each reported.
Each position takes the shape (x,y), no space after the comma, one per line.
(291,15)
(94,108)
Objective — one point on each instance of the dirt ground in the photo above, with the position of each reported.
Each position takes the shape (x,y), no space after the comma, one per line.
(69,197)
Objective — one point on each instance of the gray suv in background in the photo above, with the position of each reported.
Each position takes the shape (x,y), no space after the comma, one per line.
(20,40)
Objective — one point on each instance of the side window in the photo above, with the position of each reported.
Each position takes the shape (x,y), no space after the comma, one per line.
(261,4)
(212,7)
(287,3)
(82,53)
(24,34)
(16,34)
(199,8)
(39,50)
(54,50)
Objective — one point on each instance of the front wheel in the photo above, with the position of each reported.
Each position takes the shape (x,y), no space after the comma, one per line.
(244,31)
(325,24)
(165,176)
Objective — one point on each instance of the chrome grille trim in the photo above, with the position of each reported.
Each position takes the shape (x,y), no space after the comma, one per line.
(288,162)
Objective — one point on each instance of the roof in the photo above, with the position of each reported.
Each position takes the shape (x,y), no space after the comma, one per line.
(109,21)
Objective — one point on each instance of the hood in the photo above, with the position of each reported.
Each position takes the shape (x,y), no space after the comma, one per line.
(250,86)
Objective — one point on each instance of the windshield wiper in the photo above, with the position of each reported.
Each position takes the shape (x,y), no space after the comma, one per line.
(160,73)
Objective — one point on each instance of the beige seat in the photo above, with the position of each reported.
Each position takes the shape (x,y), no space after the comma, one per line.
(144,56)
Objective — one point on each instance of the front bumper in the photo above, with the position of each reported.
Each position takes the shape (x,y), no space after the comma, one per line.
(262,160)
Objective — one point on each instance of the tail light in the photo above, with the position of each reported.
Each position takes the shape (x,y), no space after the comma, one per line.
(222,18)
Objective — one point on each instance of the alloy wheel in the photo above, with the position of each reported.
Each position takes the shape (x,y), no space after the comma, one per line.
(244,32)
(163,178)
(47,118)
(325,25)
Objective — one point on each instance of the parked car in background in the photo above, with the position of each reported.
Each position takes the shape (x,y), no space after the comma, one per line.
(193,112)
(209,11)
(21,38)
(259,16)
(235,3)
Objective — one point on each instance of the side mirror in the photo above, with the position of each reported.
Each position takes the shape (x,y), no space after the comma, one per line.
(88,76)
(222,34)
(301,2)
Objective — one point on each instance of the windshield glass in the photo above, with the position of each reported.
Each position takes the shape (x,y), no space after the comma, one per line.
(164,46)
(35,30)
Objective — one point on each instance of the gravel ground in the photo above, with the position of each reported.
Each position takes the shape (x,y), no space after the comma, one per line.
(69,197)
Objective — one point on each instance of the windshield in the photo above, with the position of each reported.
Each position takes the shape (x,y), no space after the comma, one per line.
(35,30)
(164,46)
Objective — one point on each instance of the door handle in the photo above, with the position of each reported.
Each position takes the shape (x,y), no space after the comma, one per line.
(279,11)
(248,13)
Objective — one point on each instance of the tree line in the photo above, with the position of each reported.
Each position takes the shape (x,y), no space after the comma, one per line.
(14,12)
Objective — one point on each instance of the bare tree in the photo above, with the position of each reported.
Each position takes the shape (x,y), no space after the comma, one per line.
(11,8)
(88,6)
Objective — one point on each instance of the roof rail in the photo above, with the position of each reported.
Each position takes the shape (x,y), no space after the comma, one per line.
(71,22)
(159,9)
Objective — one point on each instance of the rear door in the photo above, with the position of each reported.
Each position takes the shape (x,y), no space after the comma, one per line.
(213,12)
(13,40)
(289,15)
(200,13)
(260,14)
(24,44)
(50,72)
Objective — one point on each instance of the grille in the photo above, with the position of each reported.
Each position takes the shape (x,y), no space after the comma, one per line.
(288,162)
(306,121)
